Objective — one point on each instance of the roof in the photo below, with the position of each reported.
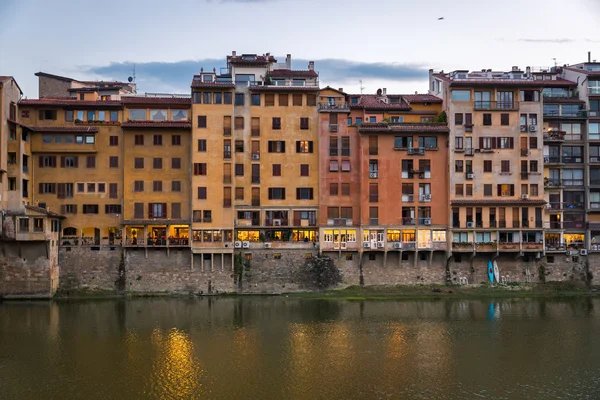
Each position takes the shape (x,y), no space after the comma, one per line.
(5,78)
(374,102)
(44,211)
(583,71)
(66,129)
(156,100)
(402,127)
(61,78)
(67,79)
(157,124)
(197,83)
(289,73)
(498,201)
(8,78)
(505,82)
(256,61)
(282,88)
(334,89)
(420,98)
(62,102)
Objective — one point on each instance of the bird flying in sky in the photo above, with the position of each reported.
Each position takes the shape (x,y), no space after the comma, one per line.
(440,18)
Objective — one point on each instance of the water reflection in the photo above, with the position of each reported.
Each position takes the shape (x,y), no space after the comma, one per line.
(284,348)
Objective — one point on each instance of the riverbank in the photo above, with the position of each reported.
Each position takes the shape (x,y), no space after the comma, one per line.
(397,292)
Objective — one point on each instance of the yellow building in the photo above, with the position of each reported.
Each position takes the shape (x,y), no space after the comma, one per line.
(156,147)
(255,161)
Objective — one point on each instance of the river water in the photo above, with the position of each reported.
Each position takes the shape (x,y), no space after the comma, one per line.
(287,348)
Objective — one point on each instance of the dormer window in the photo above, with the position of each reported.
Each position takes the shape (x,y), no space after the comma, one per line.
(517,76)
(354,100)
(207,78)
(394,99)
(461,76)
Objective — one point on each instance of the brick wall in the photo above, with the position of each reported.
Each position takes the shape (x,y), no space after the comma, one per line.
(27,269)
(84,268)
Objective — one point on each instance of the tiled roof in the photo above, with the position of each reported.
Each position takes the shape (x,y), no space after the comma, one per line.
(402,127)
(584,71)
(157,124)
(498,201)
(420,98)
(289,73)
(373,102)
(281,88)
(156,100)
(197,83)
(69,129)
(334,89)
(44,211)
(73,103)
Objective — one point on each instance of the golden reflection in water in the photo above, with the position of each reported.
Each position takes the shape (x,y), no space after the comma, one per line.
(396,343)
(176,371)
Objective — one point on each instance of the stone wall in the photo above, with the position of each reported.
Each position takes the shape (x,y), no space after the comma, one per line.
(28,269)
(404,268)
(94,268)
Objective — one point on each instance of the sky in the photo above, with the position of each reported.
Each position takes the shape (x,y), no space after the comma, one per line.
(383,43)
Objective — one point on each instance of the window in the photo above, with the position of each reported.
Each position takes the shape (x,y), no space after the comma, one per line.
(506,190)
(113,162)
(428,142)
(44,161)
(157,210)
(207,98)
(311,100)
(358,120)
(276,193)
(137,115)
(239,169)
(333,166)
(138,163)
(138,210)
(487,189)
(47,188)
(227,98)
(80,187)
(374,145)
(176,163)
(333,146)
(255,99)
(138,186)
(269,100)
(239,99)
(461,95)
(69,115)
(47,114)
(175,140)
(345,189)
(276,146)
(201,121)
(505,166)
(533,166)
(487,165)
(176,210)
(276,169)
(276,124)
(91,187)
(139,140)
(345,145)
(239,193)
(283,100)
(202,145)
(199,168)
(504,119)
(304,169)
(112,209)
(458,119)
(303,123)
(533,142)
(297,99)
(202,193)
(175,186)
(487,119)
(403,142)
(333,189)
(304,146)
(468,189)
(114,116)
(530,95)
(304,193)
(458,189)
(157,140)
(458,143)
(157,163)
(113,141)
(239,123)
(458,166)
(239,146)
(345,166)
(90,162)
(90,208)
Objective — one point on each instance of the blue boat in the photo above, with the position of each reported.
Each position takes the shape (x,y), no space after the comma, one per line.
(491,271)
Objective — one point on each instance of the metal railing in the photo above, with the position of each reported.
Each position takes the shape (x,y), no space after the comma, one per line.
(566,114)
(496,105)
(333,106)
(554,136)
(553,225)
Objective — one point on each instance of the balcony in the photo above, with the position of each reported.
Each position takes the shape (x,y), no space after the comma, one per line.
(552,159)
(469,152)
(554,206)
(594,91)
(525,175)
(408,221)
(594,205)
(373,174)
(227,131)
(524,152)
(552,247)
(578,225)
(333,107)
(373,198)
(416,151)
(333,127)
(255,156)
(572,159)
(501,224)
(486,246)
(255,132)
(495,105)
(531,246)
(408,198)
(595,182)
(554,136)
(424,221)
(469,175)
(440,246)
(462,246)
(553,183)
(573,182)
(509,246)
(554,225)
(565,114)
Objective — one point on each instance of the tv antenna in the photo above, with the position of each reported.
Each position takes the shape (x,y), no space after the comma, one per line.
(554,59)
(361,86)
(132,78)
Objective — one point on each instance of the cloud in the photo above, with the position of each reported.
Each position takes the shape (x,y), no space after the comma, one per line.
(175,77)
(559,40)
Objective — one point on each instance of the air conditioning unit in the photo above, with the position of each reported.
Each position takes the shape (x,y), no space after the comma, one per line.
(372,175)
(238,245)
(397,245)
(523,128)
(366,245)
(246,245)
(427,221)
(333,128)
(427,197)
(569,253)
(267,245)
(470,176)
(380,245)
(532,128)
(583,252)
(525,196)
(470,224)
(256,156)
(276,222)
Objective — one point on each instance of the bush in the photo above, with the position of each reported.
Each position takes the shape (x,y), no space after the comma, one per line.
(320,273)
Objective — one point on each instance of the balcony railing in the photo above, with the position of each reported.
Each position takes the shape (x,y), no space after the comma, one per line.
(554,136)
(552,159)
(594,91)
(572,159)
(333,107)
(573,224)
(373,198)
(525,175)
(594,205)
(469,151)
(565,206)
(553,183)
(425,198)
(573,182)
(416,151)
(566,114)
(573,137)
(227,131)
(408,221)
(594,159)
(555,246)
(594,181)
(553,225)
(496,105)
(524,152)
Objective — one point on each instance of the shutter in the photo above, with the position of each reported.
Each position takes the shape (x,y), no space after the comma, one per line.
(76,161)
(40,114)
(106,209)
(310,146)
(54,188)
(297,193)
(270,146)
(62,209)
(480,143)
(41,188)
(512,190)
(75,209)
(283,148)
(150,211)
(62,161)
(499,190)
(164,206)
(41,161)
(511,143)
(53,162)
(297,147)
(61,190)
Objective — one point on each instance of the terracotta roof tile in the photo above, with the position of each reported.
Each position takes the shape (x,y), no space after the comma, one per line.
(498,201)
(420,98)
(157,124)
(289,73)
(156,100)
(281,88)
(197,83)
(69,129)
(374,102)
(72,103)
(402,127)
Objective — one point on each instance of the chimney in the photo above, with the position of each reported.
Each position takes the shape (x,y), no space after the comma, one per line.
(341,89)
(528,71)
(384,92)
(589,56)
(233,53)
(288,61)
(416,92)
(311,65)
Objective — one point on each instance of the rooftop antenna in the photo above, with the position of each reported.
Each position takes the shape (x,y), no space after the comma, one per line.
(361,86)
(554,58)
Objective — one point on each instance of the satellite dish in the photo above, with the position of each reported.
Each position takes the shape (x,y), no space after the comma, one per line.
(130,79)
